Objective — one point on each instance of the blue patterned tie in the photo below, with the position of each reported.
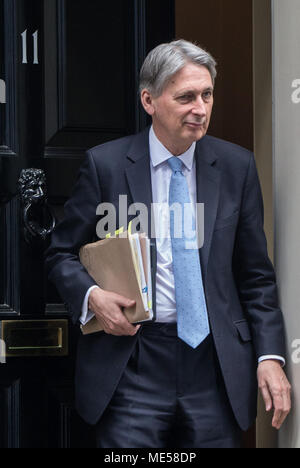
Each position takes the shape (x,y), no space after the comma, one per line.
(192,319)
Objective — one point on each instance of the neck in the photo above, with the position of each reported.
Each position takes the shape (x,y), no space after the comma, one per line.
(176,149)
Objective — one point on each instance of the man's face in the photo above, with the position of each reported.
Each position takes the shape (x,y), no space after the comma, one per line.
(181,115)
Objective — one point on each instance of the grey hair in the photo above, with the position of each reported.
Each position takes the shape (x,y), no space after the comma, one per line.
(167,59)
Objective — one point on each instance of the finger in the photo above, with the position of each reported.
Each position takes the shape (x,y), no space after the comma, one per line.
(115,324)
(267,397)
(123,326)
(282,403)
(133,329)
(287,403)
(279,420)
(276,422)
(279,412)
(286,399)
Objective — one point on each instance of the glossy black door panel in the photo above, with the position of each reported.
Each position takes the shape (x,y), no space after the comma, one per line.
(68,81)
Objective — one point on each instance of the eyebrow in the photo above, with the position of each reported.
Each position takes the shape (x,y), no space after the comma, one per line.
(192,91)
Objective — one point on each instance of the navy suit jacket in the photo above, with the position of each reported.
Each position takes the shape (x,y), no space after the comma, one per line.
(239,280)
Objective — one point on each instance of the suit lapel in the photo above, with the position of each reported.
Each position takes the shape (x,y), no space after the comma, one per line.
(208,189)
(139,180)
(138,174)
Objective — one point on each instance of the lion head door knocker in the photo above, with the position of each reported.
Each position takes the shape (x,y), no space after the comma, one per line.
(38,217)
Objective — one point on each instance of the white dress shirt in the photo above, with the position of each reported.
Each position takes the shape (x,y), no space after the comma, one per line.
(160,179)
(161,174)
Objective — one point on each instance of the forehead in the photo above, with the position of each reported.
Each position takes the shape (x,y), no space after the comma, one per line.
(191,75)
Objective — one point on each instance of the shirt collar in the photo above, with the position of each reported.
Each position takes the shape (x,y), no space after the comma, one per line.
(160,154)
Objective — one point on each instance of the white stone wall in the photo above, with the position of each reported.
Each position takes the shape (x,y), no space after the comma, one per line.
(286,169)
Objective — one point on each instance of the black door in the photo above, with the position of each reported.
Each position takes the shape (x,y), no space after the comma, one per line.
(68,81)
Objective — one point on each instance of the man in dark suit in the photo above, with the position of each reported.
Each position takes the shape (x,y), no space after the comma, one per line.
(189,379)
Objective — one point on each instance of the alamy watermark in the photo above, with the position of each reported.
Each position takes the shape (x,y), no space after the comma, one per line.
(296,351)
(185,221)
(2,352)
(2,92)
(296,93)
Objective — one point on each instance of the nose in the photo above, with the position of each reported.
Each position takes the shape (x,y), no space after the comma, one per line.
(199,107)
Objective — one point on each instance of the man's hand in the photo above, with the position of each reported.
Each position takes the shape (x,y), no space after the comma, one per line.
(275,389)
(107,307)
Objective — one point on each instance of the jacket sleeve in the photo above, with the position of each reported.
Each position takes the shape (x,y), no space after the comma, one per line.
(254,272)
(77,228)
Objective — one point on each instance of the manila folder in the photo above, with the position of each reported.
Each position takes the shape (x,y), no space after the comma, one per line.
(109,262)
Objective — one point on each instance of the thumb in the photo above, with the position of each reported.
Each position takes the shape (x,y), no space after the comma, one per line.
(125,302)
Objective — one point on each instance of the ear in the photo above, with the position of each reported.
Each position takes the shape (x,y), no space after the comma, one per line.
(147,102)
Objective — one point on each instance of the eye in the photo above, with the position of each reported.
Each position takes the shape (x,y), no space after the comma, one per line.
(207,95)
(185,98)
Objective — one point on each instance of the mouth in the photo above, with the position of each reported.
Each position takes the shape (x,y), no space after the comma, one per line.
(195,124)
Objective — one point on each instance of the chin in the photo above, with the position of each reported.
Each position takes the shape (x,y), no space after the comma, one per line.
(198,135)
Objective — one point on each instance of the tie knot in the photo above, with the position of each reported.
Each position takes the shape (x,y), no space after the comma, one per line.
(175,164)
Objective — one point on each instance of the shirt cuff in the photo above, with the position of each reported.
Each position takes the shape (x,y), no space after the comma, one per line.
(272,356)
(86,314)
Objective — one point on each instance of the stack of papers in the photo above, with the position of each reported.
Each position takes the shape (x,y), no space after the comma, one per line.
(121,264)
